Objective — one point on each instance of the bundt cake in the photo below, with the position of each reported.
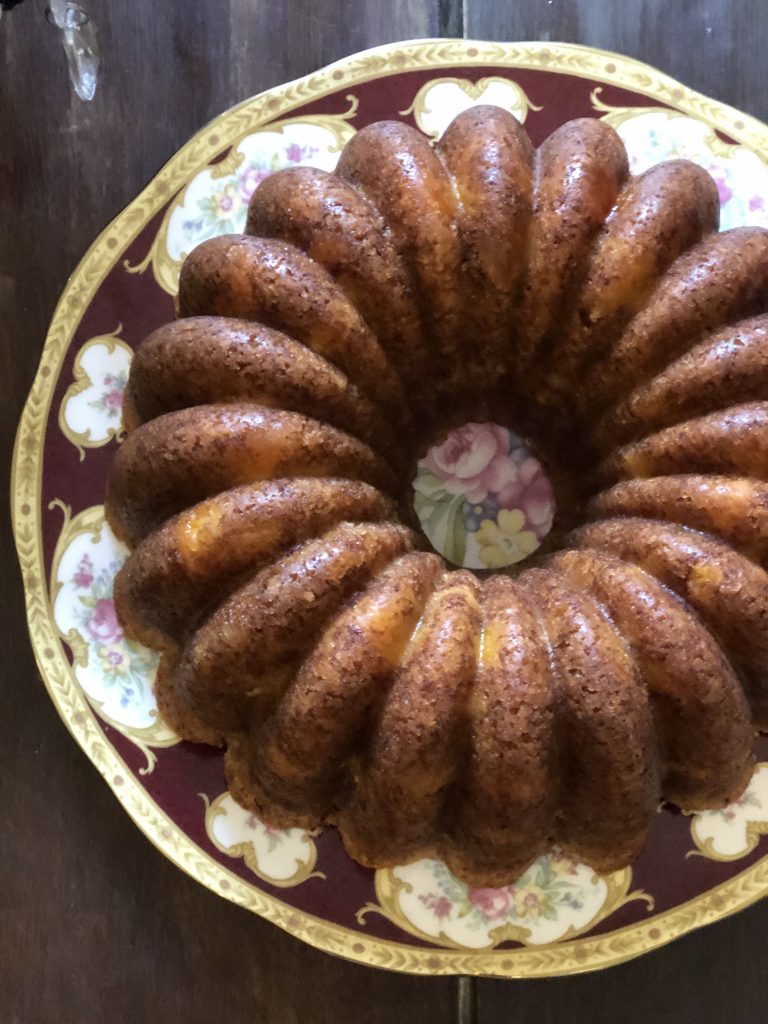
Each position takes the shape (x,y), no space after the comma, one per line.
(264,488)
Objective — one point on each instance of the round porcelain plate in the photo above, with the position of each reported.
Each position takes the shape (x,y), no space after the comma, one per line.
(559,917)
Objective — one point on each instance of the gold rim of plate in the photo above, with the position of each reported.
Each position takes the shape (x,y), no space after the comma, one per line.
(571,957)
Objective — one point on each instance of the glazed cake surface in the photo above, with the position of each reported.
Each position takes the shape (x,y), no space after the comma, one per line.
(264,489)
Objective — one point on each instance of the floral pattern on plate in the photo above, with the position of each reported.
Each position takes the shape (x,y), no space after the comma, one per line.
(215,202)
(735,831)
(556,899)
(654,135)
(282,857)
(441,99)
(116,674)
(481,497)
(90,411)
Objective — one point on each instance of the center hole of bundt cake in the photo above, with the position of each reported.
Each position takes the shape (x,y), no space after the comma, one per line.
(482,497)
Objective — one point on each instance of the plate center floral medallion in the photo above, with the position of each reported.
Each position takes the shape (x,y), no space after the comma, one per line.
(482,498)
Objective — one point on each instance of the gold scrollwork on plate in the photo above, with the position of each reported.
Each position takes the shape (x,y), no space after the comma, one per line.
(115,673)
(215,201)
(655,134)
(555,900)
(282,857)
(618,116)
(89,414)
(440,100)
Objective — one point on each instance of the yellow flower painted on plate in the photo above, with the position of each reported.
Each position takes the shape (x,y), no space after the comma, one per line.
(505,541)
(221,207)
(529,902)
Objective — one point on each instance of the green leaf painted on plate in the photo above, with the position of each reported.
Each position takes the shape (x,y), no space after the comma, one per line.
(437,524)
(427,483)
(456,535)
(422,504)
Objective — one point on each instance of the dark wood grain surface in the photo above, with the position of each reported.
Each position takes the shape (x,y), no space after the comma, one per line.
(95,925)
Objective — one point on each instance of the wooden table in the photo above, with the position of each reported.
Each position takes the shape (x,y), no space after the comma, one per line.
(95,925)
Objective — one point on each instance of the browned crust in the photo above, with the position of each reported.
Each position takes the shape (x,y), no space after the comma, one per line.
(239,663)
(179,573)
(657,217)
(731,442)
(702,716)
(727,590)
(175,709)
(505,801)
(394,166)
(280,286)
(298,763)
(578,172)
(733,508)
(414,749)
(178,459)
(336,226)
(609,785)
(490,160)
(719,281)
(208,359)
(727,368)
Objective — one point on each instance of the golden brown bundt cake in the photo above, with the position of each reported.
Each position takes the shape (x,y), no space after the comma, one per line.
(207,359)
(657,216)
(339,228)
(578,172)
(265,491)
(728,367)
(726,589)
(734,508)
(508,779)
(276,284)
(186,566)
(178,459)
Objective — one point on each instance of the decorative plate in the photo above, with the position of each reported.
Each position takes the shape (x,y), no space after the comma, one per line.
(560,917)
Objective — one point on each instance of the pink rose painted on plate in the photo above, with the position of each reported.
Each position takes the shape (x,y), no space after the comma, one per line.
(113,400)
(491,903)
(110,401)
(116,660)
(84,573)
(249,179)
(482,498)
(473,461)
(720,175)
(531,492)
(440,906)
(103,624)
